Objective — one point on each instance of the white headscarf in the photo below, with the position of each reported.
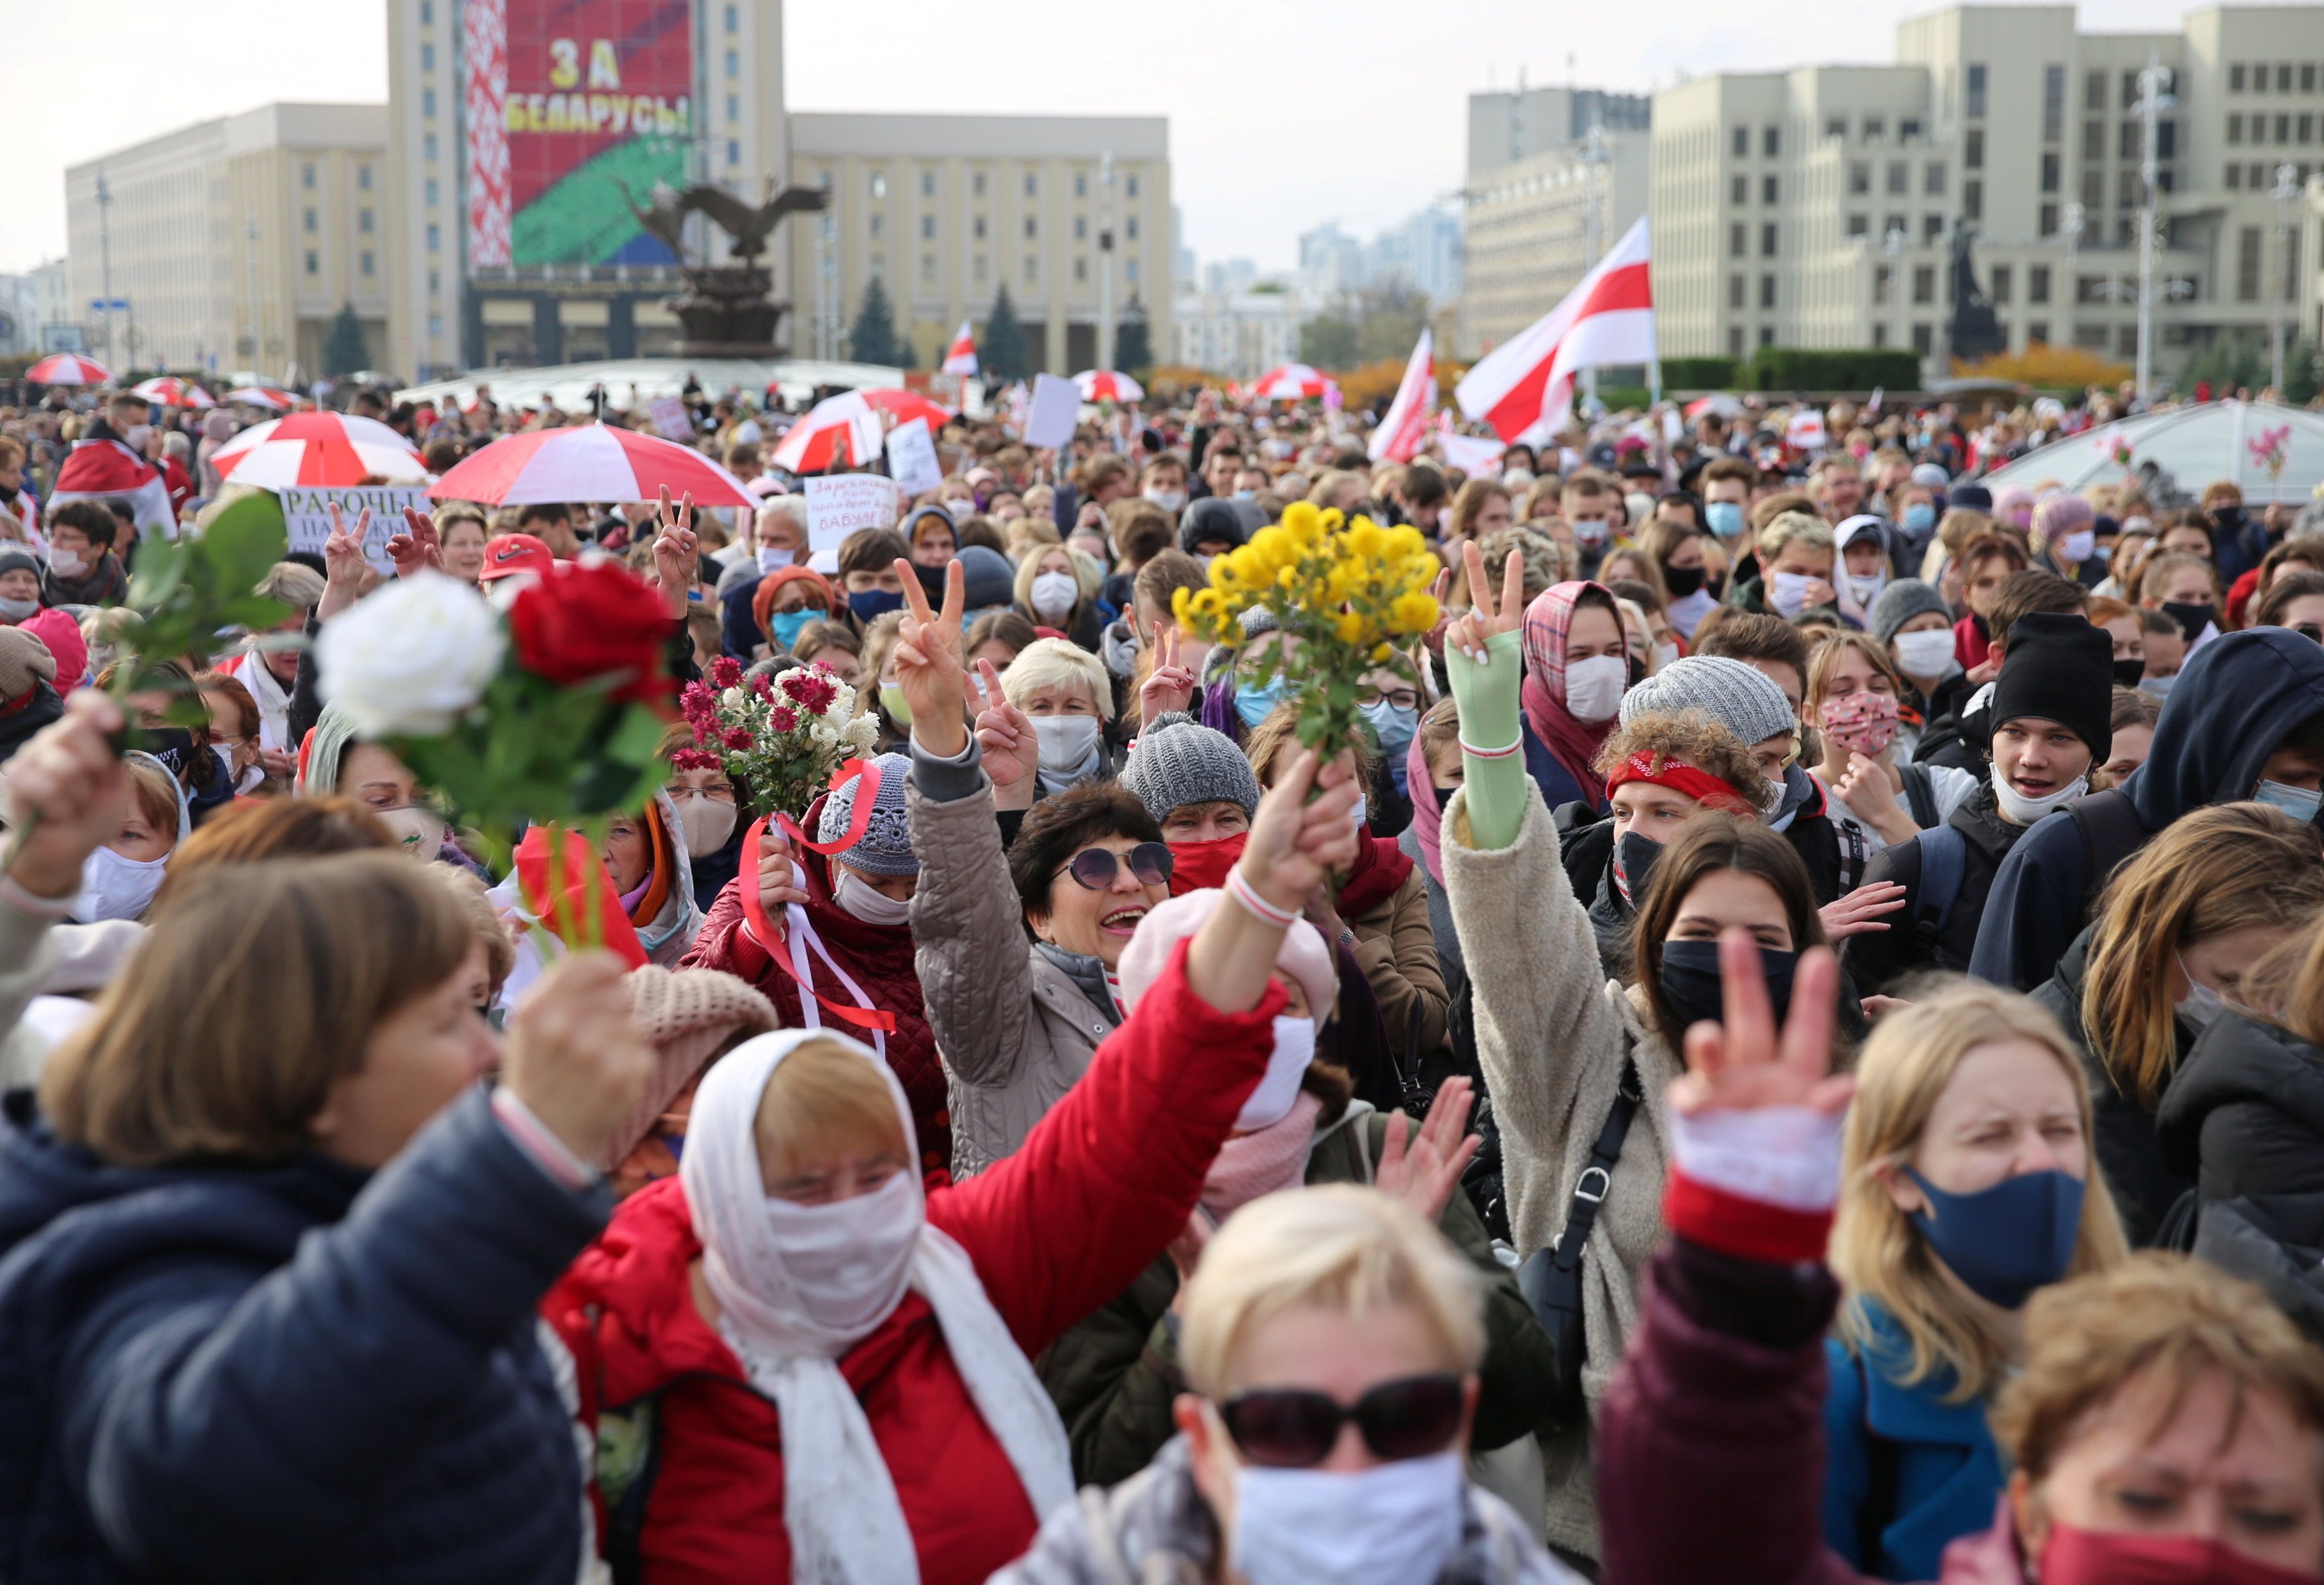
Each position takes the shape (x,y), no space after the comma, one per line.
(839,1502)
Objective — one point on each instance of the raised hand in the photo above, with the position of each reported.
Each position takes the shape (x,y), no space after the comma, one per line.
(344,565)
(1013,748)
(417,549)
(1469,634)
(1742,1063)
(928,659)
(1436,636)
(1860,910)
(1170,686)
(1425,1173)
(1819,592)
(781,882)
(575,1056)
(67,784)
(675,563)
(1870,790)
(1294,844)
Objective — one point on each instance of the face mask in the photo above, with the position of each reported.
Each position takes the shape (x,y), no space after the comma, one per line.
(2299,802)
(1724,517)
(1069,743)
(873,604)
(707,824)
(2102,554)
(850,1259)
(1253,704)
(1664,654)
(1634,859)
(2228,518)
(1392,1523)
(1240,496)
(2192,618)
(867,902)
(2007,1240)
(2094,1557)
(1682,581)
(172,745)
(19,610)
(1866,589)
(135,436)
(2129,674)
(1590,532)
(1593,687)
(1271,1102)
(419,830)
(2201,1004)
(115,887)
(2077,545)
(772,558)
(1053,597)
(2020,810)
(1864,722)
(1920,518)
(784,626)
(2019,517)
(892,700)
(1167,500)
(66,564)
(1927,653)
(1394,727)
(2160,686)
(2136,525)
(1689,980)
(1787,592)
(1444,795)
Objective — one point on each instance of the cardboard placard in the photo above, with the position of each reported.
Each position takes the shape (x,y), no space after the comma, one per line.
(1056,404)
(672,418)
(838,505)
(307,514)
(912,458)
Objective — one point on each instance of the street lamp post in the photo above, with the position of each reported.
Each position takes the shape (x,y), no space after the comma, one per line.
(1105,260)
(2287,189)
(2153,98)
(2076,218)
(1593,156)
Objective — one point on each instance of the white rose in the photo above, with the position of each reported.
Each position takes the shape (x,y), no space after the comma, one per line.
(410,659)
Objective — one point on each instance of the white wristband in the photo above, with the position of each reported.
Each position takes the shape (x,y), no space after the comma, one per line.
(1243,892)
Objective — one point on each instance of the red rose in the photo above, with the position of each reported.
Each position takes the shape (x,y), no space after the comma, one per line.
(590,620)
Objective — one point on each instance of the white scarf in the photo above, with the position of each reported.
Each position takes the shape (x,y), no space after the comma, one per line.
(273,703)
(840,1505)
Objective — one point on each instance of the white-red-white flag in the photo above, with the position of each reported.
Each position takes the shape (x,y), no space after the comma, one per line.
(1524,388)
(98,469)
(961,358)
(1405,429)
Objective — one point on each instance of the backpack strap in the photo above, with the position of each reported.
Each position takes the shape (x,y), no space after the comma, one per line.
(1944,860)
(2111,832)
(1920,795)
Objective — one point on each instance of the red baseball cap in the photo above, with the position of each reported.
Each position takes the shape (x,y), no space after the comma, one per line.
(515,553)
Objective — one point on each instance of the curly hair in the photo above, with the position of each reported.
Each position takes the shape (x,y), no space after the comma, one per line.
(1691,738)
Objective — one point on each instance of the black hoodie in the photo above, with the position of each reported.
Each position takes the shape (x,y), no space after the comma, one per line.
(2234,704)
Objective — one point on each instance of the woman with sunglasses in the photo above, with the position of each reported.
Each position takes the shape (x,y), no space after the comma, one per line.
(1018,1021)
(1334,1357)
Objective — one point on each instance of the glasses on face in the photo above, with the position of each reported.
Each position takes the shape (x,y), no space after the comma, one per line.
(1095,869)
(1401,698)
(1291,1429)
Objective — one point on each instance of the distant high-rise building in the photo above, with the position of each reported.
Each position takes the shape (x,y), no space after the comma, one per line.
(1510,125)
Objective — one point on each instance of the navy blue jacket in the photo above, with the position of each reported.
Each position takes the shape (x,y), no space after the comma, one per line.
(1557,785)
(1937,1477)
(2231,708)
(298,1371)
(738,625)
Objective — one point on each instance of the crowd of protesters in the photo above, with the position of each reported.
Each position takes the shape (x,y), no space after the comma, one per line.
(1788,1046)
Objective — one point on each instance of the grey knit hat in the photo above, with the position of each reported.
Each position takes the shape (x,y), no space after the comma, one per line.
(1179,762)
(1900,602)
(1741,699)
(886,848)
(16,559)
(1256,620)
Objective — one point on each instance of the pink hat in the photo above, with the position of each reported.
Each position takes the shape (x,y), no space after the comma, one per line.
(61,634)
(1304,956)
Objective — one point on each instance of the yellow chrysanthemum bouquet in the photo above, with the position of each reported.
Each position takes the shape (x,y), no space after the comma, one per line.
(1353,594)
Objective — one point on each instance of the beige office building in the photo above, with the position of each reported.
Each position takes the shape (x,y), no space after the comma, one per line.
(1533,228)
(946,209)
(235,242)
(1814,207)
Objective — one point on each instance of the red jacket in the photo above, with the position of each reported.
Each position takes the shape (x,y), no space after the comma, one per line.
(878,957)
(1970,643)
(1098,1190)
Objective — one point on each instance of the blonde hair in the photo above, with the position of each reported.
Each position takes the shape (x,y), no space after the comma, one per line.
(1876,1251)
(1825,660)
(1087,577)
(2229,867)
(1339,1247)
(484,919)
(1054,662)
(824,1098)
(156,792)
(1787,526)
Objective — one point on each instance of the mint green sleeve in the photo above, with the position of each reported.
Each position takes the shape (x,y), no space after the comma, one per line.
(1487,698)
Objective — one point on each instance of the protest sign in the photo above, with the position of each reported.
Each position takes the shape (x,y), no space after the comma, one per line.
(1057,403)
(838,505)
(912,458)
(307,514)
(671,418)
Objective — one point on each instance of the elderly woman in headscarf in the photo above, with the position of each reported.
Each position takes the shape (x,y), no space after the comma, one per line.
(648,860)
(333,760)
(834,1359)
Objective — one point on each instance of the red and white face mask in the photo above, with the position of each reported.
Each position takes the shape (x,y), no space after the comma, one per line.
(2102,1557)
(1864,722)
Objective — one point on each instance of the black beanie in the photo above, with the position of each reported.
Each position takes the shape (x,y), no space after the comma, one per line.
(2060,668)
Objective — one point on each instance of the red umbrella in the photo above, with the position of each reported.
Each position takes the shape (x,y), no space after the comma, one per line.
(69,368)
(1109,385)
(268,396)
(320,448)
(815,442)
(589,462)
(170,391)
(1291,382)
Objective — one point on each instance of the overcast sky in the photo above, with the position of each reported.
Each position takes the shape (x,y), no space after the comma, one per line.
(1283,114)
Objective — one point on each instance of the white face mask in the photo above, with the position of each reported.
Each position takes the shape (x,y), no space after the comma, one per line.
(1590,532)
(1356,816)
(852,1259)
(1068,743)
(2020,810)
(1928,653)
(1664,654)
(772,558)
(421,831)
(1271,1102)
(1593,687)
(1787,592)
(867,902)
(1167,500)
(1385,1525)
(114,885)
(707,824)
(2160,686)
(2077,545)
(1053,597)
(65,564)
(1866,589)
(2136,525)
(2201,1004)
(135,436)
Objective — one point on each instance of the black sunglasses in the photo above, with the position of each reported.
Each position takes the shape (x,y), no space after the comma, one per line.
(1295,1430)
(1095,868)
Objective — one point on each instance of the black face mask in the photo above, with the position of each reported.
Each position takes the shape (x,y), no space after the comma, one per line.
(2192,619)
(2127,672)
(2228,518)
(1983,631)
(1637,671)
(1634,862)
(172,745)
(1682,581)
(1690,987)
(1444,795)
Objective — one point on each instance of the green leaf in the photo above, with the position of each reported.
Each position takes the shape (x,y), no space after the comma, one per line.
(160,567)
(244,540)
(637,737)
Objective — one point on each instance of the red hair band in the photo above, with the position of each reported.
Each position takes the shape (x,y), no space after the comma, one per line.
(1662,771)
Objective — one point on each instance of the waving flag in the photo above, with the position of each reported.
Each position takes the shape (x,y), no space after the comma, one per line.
(1405,429)
(961,358)
(97,468)
(1524,388)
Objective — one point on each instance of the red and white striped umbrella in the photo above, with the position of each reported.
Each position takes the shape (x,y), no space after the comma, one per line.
(320,448)
(1108,385)
(589,462)
(170,391)
(1291,382)
(820,440)
(69,368)
(266,396)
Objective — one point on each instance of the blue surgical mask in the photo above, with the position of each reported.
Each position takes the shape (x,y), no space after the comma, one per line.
(873,604)
(784,626)
(2007,1240)
(1393,725)
(1920,518)
(1254,701)
(1724,517)
(2299,802)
